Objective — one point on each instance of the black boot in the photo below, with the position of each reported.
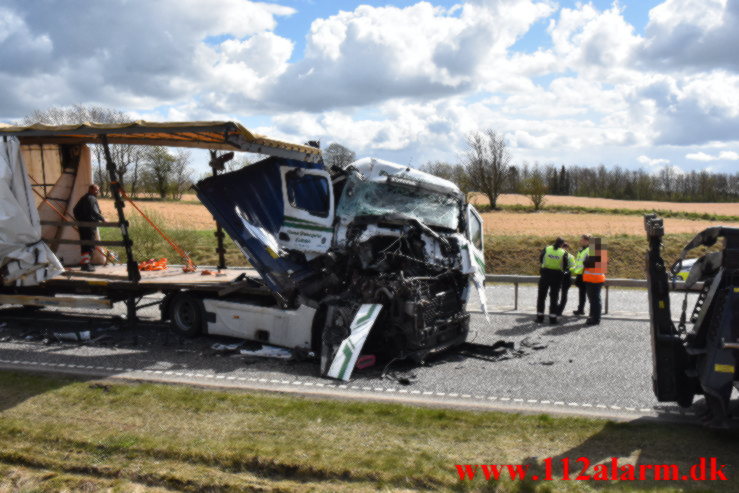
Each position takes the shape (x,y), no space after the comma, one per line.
(88,268)
(578,312)
(540,319)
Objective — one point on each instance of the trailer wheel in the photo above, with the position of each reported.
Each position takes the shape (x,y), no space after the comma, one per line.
(187,314)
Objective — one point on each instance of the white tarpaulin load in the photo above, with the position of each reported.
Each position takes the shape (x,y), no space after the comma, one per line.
(25,260)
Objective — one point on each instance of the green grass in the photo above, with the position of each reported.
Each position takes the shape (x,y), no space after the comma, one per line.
(503,254)
(571,209)
(58,433)
(626,253)
(147,243)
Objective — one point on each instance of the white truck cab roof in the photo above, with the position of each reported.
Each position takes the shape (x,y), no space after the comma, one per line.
(377,170)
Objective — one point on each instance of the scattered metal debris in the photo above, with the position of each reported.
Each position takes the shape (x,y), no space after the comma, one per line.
(268,352)
(77,336)
(535,344)
(227,348)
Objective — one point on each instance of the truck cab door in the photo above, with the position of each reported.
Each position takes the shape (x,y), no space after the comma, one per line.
(308,200)
(475,236)
(474,260)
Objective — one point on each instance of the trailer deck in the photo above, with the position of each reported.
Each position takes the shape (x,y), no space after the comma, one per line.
(111,284)
(124,282)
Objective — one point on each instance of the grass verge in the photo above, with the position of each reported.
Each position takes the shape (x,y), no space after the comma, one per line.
(503,254)
(59,433)
(626,253)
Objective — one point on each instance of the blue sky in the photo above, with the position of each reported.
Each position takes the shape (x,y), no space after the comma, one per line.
(635,83)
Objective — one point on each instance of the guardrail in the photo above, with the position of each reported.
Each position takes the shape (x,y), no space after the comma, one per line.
(615,283)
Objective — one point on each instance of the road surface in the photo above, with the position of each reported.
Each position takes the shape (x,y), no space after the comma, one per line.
(569,368)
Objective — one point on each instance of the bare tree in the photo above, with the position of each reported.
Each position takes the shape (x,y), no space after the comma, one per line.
(440,169)
(241,160)
(159,165)
(180,175)
(338,155)
(455,173)
(137,157)
(124,156)
(488,163)
(535,188)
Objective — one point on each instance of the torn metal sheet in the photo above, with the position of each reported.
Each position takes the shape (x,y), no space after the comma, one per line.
(349,350)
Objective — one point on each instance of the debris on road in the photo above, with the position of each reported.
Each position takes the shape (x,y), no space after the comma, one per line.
(81,336)
(227,348)
(535,344)
(268,352)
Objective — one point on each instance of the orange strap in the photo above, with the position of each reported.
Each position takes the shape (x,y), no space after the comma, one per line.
(189,265)
(153,264)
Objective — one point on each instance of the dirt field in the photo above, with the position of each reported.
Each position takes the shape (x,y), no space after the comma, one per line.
(726,209)
(550,224)
(195,216)
(174,215)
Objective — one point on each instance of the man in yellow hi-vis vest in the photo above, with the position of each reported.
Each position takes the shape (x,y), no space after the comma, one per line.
(578,270)
(553,260)
(594,276)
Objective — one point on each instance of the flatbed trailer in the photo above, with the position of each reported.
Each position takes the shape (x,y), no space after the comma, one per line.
(124,282)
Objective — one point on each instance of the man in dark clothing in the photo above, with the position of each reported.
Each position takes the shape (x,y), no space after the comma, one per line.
(87,209)
(580,258)
(566,280)
(553,261)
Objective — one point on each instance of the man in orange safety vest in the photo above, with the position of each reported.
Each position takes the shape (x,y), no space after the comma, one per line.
(594,276)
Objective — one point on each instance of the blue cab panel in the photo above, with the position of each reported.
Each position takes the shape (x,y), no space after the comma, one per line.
(249,206)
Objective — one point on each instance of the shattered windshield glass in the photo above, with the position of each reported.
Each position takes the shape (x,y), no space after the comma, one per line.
(372,198)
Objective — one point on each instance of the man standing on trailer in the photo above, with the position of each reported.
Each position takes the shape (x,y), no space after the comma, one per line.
(88,210)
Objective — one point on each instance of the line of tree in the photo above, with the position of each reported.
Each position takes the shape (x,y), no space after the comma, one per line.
(486,168)
(144,170)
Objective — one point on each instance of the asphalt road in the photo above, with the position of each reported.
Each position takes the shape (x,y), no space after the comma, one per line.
(568,368)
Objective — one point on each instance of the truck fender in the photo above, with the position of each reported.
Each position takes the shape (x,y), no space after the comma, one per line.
(344,357)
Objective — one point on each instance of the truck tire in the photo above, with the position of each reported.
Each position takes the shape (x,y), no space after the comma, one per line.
(187,314)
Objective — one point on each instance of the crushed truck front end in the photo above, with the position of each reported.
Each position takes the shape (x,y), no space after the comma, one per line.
(374,241)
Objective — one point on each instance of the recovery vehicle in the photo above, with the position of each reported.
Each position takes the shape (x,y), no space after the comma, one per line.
(701,359)
(374,255)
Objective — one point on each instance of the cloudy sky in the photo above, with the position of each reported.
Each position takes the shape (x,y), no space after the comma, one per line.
(639,83)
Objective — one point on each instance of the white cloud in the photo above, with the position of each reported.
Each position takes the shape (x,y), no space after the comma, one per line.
(122,53)
(599,43)
(652,161)
(692,34)
(404,81)
(374,54)
(721,156)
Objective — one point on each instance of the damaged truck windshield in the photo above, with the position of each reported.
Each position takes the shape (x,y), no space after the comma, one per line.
(402,197)
(374,257)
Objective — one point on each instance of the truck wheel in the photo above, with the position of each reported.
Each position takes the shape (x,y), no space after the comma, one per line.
(187,314)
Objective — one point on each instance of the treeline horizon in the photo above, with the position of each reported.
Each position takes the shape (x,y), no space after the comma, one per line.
(619,183)
(487,168)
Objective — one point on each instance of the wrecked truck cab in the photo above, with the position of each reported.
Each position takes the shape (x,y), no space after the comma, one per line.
(384,255)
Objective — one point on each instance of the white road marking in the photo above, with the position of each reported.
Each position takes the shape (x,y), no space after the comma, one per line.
(344,386)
